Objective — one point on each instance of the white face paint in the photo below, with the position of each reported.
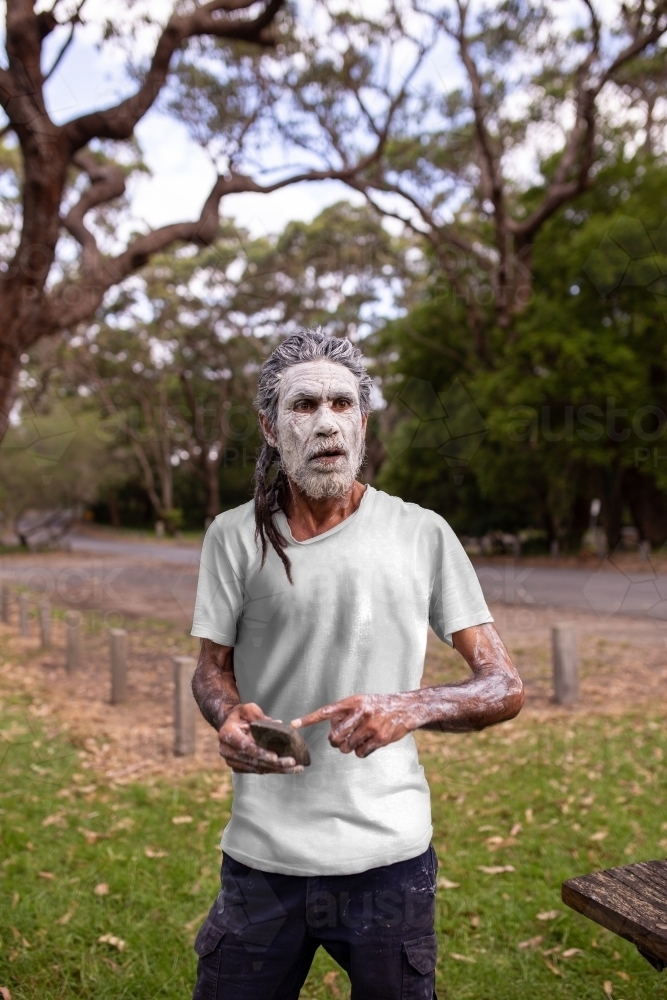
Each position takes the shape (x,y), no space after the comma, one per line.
(319,429)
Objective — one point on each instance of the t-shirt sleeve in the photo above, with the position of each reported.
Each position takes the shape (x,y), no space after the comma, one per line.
(219,600)
(457,600)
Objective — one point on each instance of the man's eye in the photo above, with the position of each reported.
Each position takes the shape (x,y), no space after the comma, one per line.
(304,404)
(342,404)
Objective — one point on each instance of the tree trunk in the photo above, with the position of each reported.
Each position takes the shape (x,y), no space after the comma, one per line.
(212,489)
(114,515)
(23,305)
(10,366)
(648,505)
(612,505)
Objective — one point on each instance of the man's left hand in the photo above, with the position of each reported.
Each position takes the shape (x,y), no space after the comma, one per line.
(364,722)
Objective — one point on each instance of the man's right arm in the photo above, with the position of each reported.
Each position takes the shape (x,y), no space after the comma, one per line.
(216,693)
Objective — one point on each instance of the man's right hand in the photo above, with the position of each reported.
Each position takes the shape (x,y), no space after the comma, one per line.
(239,750)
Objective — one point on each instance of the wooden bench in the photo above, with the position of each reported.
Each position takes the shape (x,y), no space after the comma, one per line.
(631,901)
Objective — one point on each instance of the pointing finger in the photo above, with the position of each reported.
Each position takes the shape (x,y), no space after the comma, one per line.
(319,715)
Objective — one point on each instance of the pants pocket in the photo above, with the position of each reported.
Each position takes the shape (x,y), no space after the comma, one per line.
(419,961)
(207,946)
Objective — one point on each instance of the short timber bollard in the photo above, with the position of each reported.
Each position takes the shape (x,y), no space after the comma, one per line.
(5,601)
(118,643)
(45,624)
(24,608)
(185,707)
(73,633)
(565,666)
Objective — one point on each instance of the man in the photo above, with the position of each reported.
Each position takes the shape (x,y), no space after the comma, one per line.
(313,605)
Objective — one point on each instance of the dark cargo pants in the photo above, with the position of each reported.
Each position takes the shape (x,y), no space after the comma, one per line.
(263,930)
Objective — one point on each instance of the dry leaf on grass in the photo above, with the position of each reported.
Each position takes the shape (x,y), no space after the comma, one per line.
(150,852)
(91,835)
(529,816)
(516,829)
(48,875)
(497,843)
(178,820)
(112,940)
(531,942)
(571,952)
(608,987)
(552,968)
(600,835)
(444,883)
(66,917)
(548,915)
(461,958)
(221,794)
(330,980)
(56,819)
(495,869)
(102,889)
(126,823)
(623,975)
(4,993)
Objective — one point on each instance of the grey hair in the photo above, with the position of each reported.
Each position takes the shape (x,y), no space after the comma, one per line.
(307,345)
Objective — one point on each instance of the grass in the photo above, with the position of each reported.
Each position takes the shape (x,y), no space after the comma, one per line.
(588,793)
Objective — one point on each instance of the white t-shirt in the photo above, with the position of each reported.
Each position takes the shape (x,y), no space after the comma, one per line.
(354,622)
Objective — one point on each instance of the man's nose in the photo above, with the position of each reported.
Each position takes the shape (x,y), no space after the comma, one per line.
(325,421)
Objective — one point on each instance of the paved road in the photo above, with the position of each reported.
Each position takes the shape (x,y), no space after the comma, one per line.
(153,551)
(604,592)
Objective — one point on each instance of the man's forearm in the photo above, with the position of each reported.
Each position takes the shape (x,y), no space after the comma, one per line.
(469,706)
(214,684)
(493,694)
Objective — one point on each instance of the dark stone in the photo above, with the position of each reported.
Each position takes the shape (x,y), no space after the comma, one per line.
(282,739)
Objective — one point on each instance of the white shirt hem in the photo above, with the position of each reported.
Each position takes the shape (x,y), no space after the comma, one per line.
(351,866)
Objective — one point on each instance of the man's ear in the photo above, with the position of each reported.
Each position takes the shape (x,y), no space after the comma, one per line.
(267,430)
(364,424)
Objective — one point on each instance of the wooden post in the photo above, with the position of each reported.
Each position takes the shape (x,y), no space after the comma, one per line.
(118,640)
(185,707)
(73,627)
(45,624)
(24,608)
(5,601)
(565,665)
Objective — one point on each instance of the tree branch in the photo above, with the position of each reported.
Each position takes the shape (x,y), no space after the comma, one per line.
(72,302)
(73,21)
(119,122)
(580,143)
(107,181)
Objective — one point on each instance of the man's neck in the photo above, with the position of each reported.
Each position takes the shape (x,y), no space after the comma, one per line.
(308,517)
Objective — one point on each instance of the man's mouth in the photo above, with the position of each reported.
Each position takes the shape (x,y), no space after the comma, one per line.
(330,455)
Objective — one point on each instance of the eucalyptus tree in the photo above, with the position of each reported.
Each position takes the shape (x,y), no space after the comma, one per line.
(66,242)
(172,367)
(486,119)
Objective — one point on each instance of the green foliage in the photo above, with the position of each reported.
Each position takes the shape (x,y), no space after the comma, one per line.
(574,398)
(56,456)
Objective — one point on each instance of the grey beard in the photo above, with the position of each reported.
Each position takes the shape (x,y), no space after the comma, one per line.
(319,485)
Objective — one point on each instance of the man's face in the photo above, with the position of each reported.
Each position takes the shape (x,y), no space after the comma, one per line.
(319,428)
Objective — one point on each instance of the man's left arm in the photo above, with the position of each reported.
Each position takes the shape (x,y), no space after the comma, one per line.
(364,723)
